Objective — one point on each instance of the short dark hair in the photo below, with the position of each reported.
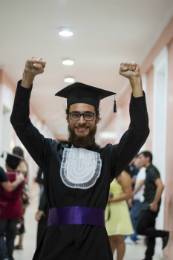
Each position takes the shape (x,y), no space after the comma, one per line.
(17,150)
(147,154)
(12,161)
(96,110)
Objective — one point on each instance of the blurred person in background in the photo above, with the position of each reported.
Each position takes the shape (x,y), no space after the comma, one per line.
(136,203)
(133,171)
(6,184)
(10,209)
(40,180)
(23,169)
(18,150)
(117,216)
(151,205)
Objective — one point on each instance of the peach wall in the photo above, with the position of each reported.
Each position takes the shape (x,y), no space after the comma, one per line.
(4,79)
(164,39)
(61,137)
(149,99)
(169,154)
(0,90)
(106,141)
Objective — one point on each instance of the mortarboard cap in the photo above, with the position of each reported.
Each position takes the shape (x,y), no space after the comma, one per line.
(82,93)
(12,160)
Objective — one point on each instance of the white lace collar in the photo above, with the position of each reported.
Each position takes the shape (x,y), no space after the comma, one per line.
(80,168)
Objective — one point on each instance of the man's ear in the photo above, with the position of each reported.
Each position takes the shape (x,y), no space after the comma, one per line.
(148,159)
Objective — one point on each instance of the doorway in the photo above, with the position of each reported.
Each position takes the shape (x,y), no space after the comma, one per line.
(160,122)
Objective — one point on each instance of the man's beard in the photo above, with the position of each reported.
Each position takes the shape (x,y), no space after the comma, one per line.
(82,141)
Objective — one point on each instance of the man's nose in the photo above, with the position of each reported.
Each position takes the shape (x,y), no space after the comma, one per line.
(81,120)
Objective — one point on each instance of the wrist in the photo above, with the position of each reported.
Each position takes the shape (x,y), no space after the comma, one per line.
(27,80)
(135,81)
(136,84)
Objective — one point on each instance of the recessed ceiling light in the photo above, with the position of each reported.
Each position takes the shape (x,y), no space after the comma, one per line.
(65,32)
(68,62)
(69,80)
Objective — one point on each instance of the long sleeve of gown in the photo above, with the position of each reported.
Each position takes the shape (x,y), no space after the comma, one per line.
(29,135)
(133,138)
(43,203)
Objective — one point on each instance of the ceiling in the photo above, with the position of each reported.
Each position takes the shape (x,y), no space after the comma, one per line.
(106,33)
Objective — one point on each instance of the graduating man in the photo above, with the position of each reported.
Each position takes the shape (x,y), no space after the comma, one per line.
(77,176)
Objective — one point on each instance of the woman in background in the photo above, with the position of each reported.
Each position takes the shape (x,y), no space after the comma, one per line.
(22,168)
(117,216)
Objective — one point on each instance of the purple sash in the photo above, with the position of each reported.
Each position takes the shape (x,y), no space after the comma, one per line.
(76,216)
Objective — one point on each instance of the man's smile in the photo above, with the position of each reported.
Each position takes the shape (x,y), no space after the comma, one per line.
(82,129)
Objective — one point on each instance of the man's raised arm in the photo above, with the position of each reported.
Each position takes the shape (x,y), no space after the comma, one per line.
(34,142)
(138,131)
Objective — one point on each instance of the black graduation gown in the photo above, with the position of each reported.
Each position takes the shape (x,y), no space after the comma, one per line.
(68,242)
(42,223)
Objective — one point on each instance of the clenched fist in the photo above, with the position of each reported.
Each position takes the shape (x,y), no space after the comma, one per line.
(131,70)
(33,67)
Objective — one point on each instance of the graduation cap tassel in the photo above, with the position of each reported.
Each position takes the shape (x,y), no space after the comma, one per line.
(115,107)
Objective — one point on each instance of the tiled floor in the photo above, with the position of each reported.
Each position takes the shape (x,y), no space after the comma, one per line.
(133,252)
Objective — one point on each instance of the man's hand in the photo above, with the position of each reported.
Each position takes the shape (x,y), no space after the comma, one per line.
(131,70)
(19,178)
(130,203)
(154,207)
(38,215)
(33,67)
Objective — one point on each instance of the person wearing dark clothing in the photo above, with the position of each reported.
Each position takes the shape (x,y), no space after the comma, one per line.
(42,217)
(23,169)
(3,176)
(133,172)
(6,184)
(10,209)
(40,176)
(151,205)
(40,180)
(77,176)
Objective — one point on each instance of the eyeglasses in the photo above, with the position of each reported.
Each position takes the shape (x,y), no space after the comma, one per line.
(88,116)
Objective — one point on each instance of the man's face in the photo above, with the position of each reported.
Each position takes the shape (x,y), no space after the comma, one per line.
(82,132)
(138,163)
(142,160)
